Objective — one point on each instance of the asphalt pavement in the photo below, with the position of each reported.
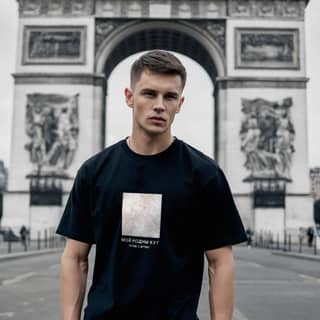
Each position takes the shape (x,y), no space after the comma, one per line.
(268,287)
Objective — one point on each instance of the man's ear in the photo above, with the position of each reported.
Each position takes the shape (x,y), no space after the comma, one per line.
(180,104)
(129,97)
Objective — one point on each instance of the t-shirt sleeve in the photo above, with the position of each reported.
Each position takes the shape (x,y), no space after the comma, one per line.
(76,221)
(221,225)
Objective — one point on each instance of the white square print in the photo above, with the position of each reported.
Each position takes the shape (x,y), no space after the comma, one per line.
(141,215)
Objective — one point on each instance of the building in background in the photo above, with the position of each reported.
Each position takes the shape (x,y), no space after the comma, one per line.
(3,185)
(253,51)
(315,182)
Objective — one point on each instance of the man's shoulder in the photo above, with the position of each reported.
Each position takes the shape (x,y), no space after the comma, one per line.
(96,160)
(199,158)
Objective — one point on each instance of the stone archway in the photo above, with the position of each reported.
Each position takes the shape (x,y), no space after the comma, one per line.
(253,51)
(184,38)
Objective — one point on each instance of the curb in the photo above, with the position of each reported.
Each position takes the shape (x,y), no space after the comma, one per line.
(19,255)
(297,255)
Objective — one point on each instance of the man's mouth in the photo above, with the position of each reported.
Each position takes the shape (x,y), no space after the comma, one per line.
(158,119)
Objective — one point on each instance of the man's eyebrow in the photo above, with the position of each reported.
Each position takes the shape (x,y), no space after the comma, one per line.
(170,93)
(147,90)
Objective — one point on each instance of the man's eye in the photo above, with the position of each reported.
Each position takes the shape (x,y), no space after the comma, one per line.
(148,94)
(171,97)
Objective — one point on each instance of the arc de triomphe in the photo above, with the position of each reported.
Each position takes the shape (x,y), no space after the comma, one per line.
(253,51)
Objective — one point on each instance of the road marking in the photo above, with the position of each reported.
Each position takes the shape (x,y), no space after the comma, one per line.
(254,264)
(7,314)
(304,276)
(54,266)
(18,278)
(237,315)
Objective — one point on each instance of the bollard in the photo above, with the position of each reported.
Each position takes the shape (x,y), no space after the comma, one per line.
(9,245)
(289,242)
(45,238)
(315,246)
(39,241)
(278,241)
(300,244)
(271,239)
(285,241)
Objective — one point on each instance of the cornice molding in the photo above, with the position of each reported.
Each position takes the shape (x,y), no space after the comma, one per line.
(204,9)
(261,82)
(60,78)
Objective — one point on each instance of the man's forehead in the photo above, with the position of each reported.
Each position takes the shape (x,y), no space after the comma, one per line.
(156,81)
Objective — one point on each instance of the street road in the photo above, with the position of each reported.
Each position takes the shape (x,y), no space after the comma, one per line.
(267,288)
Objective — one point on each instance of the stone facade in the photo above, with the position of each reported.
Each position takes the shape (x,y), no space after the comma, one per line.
(189,9)
(315,182)
(252,50)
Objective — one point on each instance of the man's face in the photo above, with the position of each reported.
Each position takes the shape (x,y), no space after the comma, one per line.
(154,99)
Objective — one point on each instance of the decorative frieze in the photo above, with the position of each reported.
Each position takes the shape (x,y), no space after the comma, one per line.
(187,9)
(267,8)
(57,7)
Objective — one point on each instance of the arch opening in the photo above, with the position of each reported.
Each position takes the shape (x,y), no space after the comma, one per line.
(194,124)
(161,39)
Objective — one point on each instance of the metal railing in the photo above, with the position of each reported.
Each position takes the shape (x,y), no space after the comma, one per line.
(44,240)
(287,242)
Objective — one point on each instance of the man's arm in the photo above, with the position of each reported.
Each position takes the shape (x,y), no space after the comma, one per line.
(221,286)
(74,270)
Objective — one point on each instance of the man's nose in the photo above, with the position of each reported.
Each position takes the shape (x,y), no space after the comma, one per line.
(159,104)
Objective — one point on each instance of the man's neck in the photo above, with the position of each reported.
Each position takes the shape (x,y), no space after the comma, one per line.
(146,145)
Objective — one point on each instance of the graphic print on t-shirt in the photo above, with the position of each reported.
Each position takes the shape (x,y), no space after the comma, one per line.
(141,218)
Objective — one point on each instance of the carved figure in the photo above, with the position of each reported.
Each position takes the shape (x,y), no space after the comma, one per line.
(32,6)
(52,125)
(55,7)
(267,136)
(241,7)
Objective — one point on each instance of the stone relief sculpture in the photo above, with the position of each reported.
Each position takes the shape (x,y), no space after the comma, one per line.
(52,124)
(267,134)
(104,28)
(266,8)
(241,8)
(183,9)
(31,6)
(218,30)
(55,7)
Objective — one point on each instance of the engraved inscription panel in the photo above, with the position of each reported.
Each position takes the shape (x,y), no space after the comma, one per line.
(54,45)
(267,48)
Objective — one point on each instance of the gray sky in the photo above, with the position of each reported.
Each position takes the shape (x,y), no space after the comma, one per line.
(193,124)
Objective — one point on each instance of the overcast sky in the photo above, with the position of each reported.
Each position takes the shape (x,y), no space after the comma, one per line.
(194,124)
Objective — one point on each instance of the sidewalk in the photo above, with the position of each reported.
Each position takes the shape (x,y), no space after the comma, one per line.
(291,254)
(307,253)
(15,250)
(26,254)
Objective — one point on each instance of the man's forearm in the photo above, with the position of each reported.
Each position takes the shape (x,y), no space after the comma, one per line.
(221,294)
(73,287)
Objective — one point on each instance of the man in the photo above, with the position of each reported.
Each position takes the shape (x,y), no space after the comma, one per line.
(153,205)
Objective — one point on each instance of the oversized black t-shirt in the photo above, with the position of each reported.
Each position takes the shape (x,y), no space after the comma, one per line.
(152,217)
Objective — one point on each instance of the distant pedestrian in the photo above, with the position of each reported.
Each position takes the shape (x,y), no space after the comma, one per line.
(310,235)
(249,233)
(23,237)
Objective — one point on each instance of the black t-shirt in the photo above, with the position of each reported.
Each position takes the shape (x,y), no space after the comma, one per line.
(152,217)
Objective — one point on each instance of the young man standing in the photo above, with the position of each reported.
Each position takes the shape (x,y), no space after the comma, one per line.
(153,205)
